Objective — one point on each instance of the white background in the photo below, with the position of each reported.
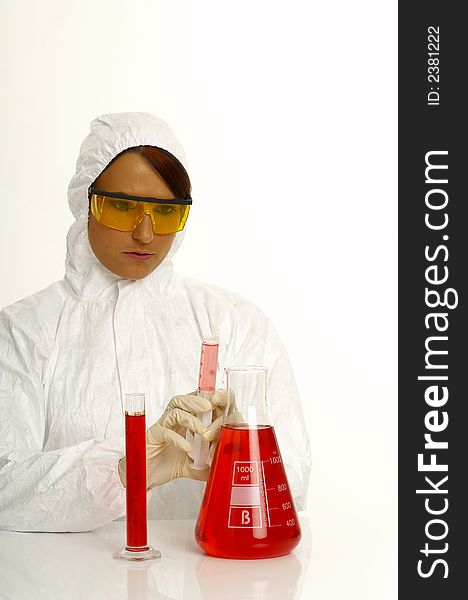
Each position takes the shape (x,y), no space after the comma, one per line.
(287,113)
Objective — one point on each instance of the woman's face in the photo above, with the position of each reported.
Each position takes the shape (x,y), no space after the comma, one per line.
(130,174)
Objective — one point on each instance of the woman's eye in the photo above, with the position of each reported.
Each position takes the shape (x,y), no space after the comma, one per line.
(121,205)
(165,209)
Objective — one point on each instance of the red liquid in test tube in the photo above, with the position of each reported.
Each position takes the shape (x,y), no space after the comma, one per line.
(137,548)
(135,448)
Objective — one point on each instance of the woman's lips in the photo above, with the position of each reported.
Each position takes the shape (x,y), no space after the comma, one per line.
(138,256)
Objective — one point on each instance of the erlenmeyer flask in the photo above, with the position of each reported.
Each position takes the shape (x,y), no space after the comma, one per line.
(247,510)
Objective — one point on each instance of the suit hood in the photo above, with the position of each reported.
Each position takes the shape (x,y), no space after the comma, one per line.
(109,135)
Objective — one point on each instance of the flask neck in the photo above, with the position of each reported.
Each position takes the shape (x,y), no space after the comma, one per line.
(247,394)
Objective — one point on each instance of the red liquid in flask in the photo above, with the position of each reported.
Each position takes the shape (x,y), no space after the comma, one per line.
(135,450)
(247,510)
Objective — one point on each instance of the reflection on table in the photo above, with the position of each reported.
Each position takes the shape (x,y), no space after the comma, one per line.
(80,565)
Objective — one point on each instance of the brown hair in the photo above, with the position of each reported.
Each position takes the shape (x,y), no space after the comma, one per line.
(167,165)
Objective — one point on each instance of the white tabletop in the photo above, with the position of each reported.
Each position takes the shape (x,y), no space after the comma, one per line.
(80,565)
(72,566)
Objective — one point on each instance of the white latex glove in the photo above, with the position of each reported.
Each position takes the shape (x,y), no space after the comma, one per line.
(166,447)
(219,399)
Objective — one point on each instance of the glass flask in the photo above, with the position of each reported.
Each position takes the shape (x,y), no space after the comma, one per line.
(137,548)
(247,510)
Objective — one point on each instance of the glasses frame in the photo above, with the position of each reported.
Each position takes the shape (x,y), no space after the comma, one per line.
(183,201)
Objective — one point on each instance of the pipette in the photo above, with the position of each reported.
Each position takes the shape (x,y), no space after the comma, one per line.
(206,387)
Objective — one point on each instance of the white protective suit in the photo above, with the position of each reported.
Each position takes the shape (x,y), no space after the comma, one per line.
(69,352)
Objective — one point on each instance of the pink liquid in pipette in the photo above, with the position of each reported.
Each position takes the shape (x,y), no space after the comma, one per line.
(208,366)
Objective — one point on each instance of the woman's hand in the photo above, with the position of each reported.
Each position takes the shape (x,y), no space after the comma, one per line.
(166,446)
(222,401)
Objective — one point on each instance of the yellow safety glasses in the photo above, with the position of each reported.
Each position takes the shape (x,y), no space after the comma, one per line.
(124,212)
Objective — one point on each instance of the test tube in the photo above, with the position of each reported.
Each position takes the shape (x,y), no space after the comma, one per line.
(137,548)
(206,387)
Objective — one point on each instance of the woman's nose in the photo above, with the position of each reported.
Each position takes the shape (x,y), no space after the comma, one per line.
(143,232)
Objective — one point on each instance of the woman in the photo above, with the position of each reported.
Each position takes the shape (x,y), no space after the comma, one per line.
(121,321)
